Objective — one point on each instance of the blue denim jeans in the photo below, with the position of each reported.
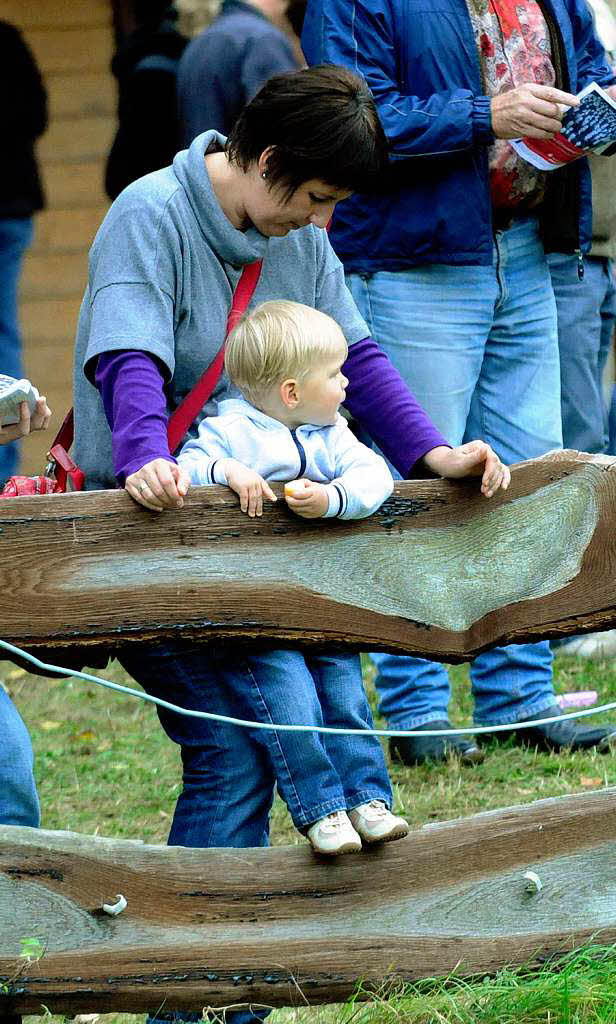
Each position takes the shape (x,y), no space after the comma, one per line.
(315,774)
(478,346)
(15,237)
(586,315)
(228,779)
(18,798)
(228,771)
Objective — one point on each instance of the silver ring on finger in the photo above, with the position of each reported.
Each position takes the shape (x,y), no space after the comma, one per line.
(143,488)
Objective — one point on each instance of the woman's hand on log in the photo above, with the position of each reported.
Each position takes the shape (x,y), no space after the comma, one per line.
(249,486)
(37,420)
(158,485)
(475,458)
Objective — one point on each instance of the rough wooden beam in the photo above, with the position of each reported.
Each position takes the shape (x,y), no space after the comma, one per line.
(212,927)
(438,570)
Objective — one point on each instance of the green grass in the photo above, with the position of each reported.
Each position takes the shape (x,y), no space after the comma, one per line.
(581,990)
(105,767)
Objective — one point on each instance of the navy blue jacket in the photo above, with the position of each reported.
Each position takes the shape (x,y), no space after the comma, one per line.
(420,60)
(225,65)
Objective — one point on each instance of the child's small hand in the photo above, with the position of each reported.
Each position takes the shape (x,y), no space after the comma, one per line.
(306,498)
(249,486)
(475,458)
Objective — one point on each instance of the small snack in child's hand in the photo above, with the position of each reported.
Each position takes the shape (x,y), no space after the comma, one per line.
(291,489)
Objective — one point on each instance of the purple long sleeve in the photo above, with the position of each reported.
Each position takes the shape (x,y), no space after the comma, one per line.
(131,385)
(381,402)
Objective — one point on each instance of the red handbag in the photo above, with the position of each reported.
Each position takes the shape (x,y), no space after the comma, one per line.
(63,474)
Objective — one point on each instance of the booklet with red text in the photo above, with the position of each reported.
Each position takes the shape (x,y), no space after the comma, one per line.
(588,128)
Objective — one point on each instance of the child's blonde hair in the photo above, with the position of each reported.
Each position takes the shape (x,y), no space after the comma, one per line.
(279,340)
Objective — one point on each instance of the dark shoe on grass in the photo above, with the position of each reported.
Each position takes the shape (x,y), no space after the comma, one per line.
(566,735)
(412,750)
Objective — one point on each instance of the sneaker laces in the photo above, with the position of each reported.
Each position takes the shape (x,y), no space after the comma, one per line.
(333,822)
(373,811)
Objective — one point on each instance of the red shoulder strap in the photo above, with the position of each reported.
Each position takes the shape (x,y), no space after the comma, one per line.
(65,434)
(187,412)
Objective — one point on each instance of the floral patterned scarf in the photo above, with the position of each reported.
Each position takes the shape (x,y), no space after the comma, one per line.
(514,48)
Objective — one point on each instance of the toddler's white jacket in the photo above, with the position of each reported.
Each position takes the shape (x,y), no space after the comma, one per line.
(358,480)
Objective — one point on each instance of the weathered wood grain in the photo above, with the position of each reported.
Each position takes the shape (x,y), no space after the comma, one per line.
(211,927)
(438,570)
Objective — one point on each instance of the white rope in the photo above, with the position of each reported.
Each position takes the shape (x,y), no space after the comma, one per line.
(330,730)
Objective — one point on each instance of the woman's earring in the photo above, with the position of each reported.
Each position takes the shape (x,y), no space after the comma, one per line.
(264,174)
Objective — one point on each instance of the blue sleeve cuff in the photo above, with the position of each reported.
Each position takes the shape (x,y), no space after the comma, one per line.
(216,473)
(337,500)
(482,121)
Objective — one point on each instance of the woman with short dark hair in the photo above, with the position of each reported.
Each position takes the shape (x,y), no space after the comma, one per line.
(162,273)
(325,126)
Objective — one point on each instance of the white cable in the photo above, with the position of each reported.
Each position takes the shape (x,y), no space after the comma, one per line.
(330,730)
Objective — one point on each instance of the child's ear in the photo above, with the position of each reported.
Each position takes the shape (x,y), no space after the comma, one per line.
(289,393)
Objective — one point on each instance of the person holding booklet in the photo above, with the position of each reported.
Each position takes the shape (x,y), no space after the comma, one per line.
(23,119)
(19,803)
(448,267)
(588,128)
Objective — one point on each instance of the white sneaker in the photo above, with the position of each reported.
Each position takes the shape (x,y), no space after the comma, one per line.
(333,835)
(591,645)
(376,824)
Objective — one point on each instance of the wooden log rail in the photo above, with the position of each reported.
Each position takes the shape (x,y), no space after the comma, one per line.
(280,927)
(437,571)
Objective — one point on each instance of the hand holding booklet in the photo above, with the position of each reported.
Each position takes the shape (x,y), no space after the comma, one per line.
(12,393)
(587,128)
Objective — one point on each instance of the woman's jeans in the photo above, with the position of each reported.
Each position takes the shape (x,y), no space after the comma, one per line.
(228,779)
(478,346)
(15,237)
(18,798)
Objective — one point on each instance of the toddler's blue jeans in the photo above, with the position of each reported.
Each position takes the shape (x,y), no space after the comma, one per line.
(315,774)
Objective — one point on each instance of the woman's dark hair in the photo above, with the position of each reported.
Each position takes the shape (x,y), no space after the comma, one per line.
(321,123)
